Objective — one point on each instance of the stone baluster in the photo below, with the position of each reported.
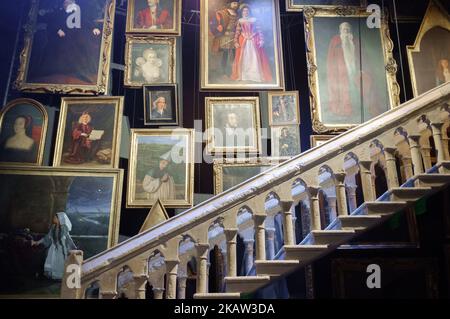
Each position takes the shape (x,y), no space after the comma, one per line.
(366,181)
(182,281)
(260,236)
(249,250)
(416,155)
(270,232)
(172,273)
(74,261)
(391,167)
(140,283)
(437,137)
(158,293)
(407,168)
(231,237)
(352,200)
(341,195)
(202,265)
(315,208)
(426,155)
(108,285)
(287,208)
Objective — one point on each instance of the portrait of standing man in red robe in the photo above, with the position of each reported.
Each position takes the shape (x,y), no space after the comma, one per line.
(153,16)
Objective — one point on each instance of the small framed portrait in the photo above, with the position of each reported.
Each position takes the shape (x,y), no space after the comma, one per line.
(67,47)
(161,166)
(51,211)
(89,132)
(317,140)
(284,108)
(285,141)
(429,57)
(160,105)
(149,61)
(230,172)
(300,5)
(159,17)
(233,125)
(23,129)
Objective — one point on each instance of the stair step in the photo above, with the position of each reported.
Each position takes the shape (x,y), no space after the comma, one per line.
(246,284)
(305,253)
(433,180)
(409,194)
(384,208)
(331,237)
(220,295)
(359,222)
(274,268)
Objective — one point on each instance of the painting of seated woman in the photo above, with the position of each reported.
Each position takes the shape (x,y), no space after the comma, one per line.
(23,126)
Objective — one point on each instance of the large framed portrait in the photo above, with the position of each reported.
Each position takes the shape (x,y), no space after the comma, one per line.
(160,105)
(284,108)
(241,45)
(352,76)
(233,125)
(300,5)
(230,172)
(23,129)
(429,57)
(161,166)
(89,132)
(285,141)
(159,17)
(67,47)
(46,212)
(149,60)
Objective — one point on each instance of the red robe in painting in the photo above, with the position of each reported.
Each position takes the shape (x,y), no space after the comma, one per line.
(163,19)
(251,62)
(342,85)
(81,145)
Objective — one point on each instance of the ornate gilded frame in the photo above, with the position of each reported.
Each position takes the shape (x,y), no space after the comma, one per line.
(177,21)
(317,140)
(313,77)
(220,164)
(291,7)
(188,201)
(43,111)
(133,39)
(209,111)
(204,56)
(65,105)
(435,16)
(174,88)
(296,95)
(102,85)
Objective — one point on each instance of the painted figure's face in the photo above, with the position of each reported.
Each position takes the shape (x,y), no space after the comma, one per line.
(345,29)
(152,3)
(444,63)
(245,12)
(234,5)
(55,220)
(232,120)
(19,125)
(163,164)
(161,103)
(85,119)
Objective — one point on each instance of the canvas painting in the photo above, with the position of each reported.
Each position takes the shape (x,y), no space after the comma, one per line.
(285,141)
(45,213)
(284,108)
(161,105)
(23,128)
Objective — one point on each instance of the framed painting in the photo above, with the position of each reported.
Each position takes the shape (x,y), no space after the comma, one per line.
(23,129)
(67,47)
(300,5)
(149,60)
(429,57)
(160,105)
(241,45)
(158,17)
(317,140)
(285,141)
(89,132)
(352,72)
(233,125)
(284,108)
(230,172)
(161,166)
(80,207)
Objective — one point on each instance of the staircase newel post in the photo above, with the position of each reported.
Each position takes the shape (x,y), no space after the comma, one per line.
(202,271)
(416,155)
(391,167)
(437,137)
(366,181)
(231,237)
(71,282)
(260,236)
(172,273)
(288,229)
(341,195)
(315,208)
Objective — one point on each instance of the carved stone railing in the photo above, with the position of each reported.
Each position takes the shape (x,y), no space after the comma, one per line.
(248,210)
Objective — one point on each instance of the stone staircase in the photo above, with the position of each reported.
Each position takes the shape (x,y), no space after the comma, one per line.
(398,141)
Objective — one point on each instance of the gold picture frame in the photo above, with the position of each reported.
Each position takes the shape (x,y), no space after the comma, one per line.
(130,75)
(317,140)
(292,7)
(101,86)
(113,129)
(390,65)
(176,20)
(43,130)
(435,18)
(220,166)
(144,184)
(292,94)
(53,189)
(233,104)
(207,46)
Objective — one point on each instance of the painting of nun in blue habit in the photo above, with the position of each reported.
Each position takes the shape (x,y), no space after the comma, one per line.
(59,244)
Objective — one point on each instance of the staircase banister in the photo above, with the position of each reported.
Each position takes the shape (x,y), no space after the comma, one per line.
(239,194)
